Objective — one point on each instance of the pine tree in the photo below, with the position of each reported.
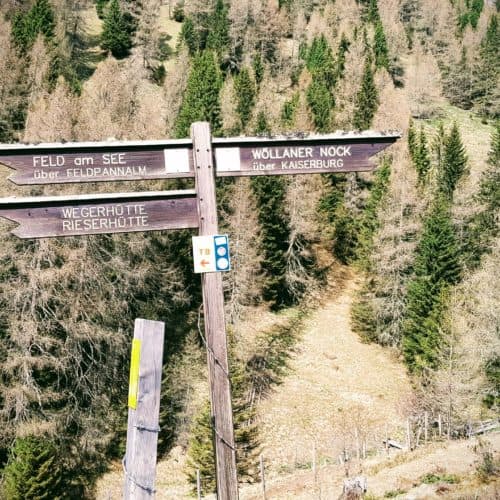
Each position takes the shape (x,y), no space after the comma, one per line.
(258,69)
(380,47)
(483,226)
(373,14)
(437,266)
(100,5)
(38,20)
(454,162)
(201,453)
(201,98)
(189,36)
(32,472)
(245,95)
(262,127)
(218,29)
(487,93)
(412,141)
(116,35)
(320,102)
(270,193)
(366,99)
(341,57)
(422,158)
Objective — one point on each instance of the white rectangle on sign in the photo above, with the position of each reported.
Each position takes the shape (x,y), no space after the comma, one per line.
(176,160)
(211,253)
(227,159)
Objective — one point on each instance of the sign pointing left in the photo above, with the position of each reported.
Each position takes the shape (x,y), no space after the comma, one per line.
(97,162)
(96,214)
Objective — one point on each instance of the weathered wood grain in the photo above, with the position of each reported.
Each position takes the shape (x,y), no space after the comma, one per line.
(142,430)
(83,215)
(215,328)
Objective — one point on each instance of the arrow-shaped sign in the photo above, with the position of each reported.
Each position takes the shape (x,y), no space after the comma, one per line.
(105,213)
(237,156)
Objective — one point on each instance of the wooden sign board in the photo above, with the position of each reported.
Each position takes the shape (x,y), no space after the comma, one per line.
(94,214)
(97,162)
(239,156)
(316,154)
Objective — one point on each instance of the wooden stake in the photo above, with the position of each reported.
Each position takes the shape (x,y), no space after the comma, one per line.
(426,427)
(314,468)
(198,483)
(215,328)
(408,434)
(263,477)
(440,425)
(144,409)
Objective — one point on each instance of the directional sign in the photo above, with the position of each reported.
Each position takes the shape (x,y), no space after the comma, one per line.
(211,253)
(97,162)
(97,214)
(237,156)
(316,154)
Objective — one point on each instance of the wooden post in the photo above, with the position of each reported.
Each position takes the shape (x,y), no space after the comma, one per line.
(408,434)
(263,477)
(440,425)
(215,328)
(144,409)
(314,468)
(426,427)
(198,483)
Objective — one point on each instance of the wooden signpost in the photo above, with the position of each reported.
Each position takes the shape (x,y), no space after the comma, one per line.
(200,157)
(96,214)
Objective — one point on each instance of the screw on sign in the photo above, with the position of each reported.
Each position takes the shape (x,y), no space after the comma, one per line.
(125,212)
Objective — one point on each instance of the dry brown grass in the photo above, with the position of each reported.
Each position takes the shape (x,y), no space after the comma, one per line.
(336,385)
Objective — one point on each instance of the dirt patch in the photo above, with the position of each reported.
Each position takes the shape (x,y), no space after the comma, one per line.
(340,394)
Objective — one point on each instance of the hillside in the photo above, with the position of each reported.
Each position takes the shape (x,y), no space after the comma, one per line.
(358,304)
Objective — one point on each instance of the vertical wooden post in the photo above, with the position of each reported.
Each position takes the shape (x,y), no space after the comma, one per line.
(314,467)
(426,427)
(215,328)
(198,484)
(144,409)
(263,477)
(408,434)
(440,425)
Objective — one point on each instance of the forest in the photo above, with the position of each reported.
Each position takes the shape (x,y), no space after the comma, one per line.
(414,245)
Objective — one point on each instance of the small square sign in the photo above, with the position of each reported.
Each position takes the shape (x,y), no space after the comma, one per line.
(211,254)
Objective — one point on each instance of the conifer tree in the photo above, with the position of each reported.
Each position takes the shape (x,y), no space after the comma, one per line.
(201,453)
(412,141)
(437,266)
(32,472)
(366,99)
(26,27)
(341,57)
(454,162)
(373,14)
(262,127)
(201,98)
(270,192)
(218,29)
(483,226)
(422,158)
(100,5)
(380,47)
(320,102)
(189,36)
(116,35)
(245,95)
(258,69)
